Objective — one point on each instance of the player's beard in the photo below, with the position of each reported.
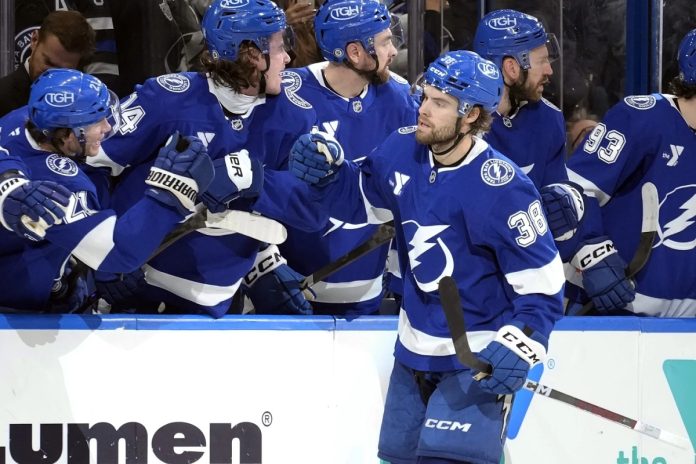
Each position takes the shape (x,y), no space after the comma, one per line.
(524,90)
(439,136)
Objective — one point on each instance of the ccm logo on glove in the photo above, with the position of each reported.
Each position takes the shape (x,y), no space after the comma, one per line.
(160,177)
(590,255)
(514,339)
(266,260)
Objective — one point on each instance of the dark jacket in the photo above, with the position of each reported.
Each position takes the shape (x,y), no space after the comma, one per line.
(14,90)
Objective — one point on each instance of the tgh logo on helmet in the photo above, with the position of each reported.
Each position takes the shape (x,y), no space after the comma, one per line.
(488,70)
(233,3)
(345,12)
(60,99)
(502,22)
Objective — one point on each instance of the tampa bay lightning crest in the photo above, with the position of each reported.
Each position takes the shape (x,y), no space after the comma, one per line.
(640,102)
(291,84)
(176,83)
(62,165)
(497,172)
(428,254)
(676,213)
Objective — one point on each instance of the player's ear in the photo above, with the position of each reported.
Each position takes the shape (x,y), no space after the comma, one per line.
(353,52)
(511,69)
(470,118)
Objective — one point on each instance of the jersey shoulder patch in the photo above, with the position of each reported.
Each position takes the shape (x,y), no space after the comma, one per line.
(640,102)
(496,172)
(61,165)
(176,83)
(398,78)
(292,82)
(407,129)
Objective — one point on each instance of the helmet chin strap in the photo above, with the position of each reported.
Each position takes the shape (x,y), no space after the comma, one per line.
(455,141)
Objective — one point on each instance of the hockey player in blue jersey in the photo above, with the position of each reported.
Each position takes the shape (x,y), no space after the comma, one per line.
(204,269)
(68,116)
(526,127)
(644,138)
(464,210)
(354,97)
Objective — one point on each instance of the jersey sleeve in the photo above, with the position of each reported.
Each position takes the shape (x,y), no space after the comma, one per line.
(555,170)
(110,243)
(518,233)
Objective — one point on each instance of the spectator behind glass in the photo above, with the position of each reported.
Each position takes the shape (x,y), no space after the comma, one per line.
(300,16)
(64,40)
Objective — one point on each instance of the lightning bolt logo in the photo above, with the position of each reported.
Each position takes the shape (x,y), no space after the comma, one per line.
(684,220)
(336,224)
(421,242)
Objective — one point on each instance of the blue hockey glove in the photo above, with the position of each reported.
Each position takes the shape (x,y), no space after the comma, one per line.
(70,292)
(511,355)
(30,207)
(564,208)
(603,274)
(273,287)
(119,289)
(236,175)
(315,158)
(181,170)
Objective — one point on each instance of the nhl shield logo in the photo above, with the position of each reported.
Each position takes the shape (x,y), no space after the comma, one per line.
(62,165)
(357,106)
(496,172)
(237,124)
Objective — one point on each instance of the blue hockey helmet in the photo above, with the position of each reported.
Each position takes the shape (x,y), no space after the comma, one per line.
(338,23)
(511,33)
(467,77)
(687,58)
(67,98)
(228,23)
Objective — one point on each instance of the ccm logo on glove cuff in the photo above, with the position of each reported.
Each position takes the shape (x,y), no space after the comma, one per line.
(589,255)
(516,341)
(184,188)
(266,260)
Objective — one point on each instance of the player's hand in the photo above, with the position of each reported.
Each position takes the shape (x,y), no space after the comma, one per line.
(181,170)
(315,158)
(511,355)
(29,208)
(236,175)
(564,207)
(603,274)
(119,289)
(299,11)
(70,292)
(275,288)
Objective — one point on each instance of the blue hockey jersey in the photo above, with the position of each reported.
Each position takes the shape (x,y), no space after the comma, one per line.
(480,222)
(202,270)
(359,124)
(642,139)
(92,234)
(533,136)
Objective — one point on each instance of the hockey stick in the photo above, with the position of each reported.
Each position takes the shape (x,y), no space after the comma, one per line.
(451,304)
(384,233)
(648,230)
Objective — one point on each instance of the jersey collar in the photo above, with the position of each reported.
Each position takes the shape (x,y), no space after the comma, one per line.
(234,102)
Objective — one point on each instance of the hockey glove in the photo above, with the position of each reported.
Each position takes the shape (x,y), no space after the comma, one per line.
(30,207)
(564,208)
(236,175)
(182,169)
(273,287)
(515,349)
(603,274)
(119,289)
(70,292)
(315,158)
